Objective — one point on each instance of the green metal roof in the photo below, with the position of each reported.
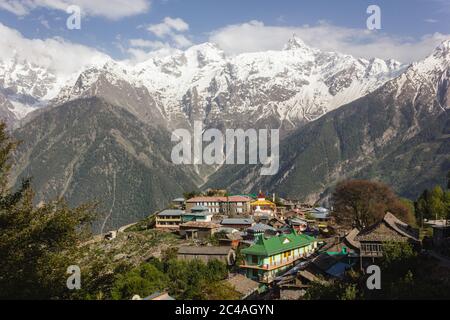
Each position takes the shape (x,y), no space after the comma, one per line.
(279,244)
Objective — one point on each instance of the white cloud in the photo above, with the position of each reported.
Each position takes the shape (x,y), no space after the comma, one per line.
(111,9)
(60,56)
(255,36)
(172,29)
(142,43)
(168,26)
(142,49)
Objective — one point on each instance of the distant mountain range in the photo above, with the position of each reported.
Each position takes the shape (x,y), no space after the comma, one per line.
(283,88)
(105,133)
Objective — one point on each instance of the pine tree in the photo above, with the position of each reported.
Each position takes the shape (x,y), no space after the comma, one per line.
(37,244)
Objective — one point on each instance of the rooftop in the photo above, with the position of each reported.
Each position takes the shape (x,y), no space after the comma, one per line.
(260,227)
(219,199)
(278,244)
(262,203)
(171,212)
(243,285)
(390,228)
(237,221)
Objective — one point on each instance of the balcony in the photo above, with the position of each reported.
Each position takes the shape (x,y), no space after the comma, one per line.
(271,266)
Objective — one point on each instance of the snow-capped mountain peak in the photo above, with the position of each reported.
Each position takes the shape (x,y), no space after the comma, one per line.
(295,43)
(276,88)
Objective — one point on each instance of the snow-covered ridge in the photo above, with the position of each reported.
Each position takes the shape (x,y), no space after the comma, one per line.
(293,85)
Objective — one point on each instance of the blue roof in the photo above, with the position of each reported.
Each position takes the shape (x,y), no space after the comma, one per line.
(237,221)
(338,269)
(199,208)
(171,212)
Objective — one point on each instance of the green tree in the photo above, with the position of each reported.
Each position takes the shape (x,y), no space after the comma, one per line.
(421,207)
(411,211)
(142,281)
(219,290)
(338,290)
(436,203)
(37,244)
(360,203)
(447,204)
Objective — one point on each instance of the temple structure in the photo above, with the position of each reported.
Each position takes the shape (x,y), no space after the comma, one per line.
(263,207)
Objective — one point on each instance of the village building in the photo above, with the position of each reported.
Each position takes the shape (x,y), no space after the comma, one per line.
(207,253)
(238,223)
(389,229)
(260,229)
(169,219)
(441,233)
(289,205)
(299,225)
(232,205)
(245,287)
(294,213)
(198,229)
(319,213)
(198,213)
(269,257)
(229,237)
(263,207)
(276,223)
(329,266)
(232,240)
(179,203)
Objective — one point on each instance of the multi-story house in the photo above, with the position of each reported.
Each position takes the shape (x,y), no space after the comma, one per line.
(169,219)
(269,257)
(389,229)
(232,205)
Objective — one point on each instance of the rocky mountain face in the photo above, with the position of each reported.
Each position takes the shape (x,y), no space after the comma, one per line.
(283,89)
(6,113)
(91,150)
(25,85)
(399,134)
(268,89)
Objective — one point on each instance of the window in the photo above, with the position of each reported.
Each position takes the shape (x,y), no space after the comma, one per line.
(255,259)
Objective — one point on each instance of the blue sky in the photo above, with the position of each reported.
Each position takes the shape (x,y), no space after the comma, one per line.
(109,26)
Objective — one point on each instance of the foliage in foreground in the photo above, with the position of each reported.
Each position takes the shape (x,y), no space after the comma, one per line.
(404,275)
(37,244)
(182,279)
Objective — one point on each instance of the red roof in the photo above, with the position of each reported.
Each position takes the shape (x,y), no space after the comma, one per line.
(220,199)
